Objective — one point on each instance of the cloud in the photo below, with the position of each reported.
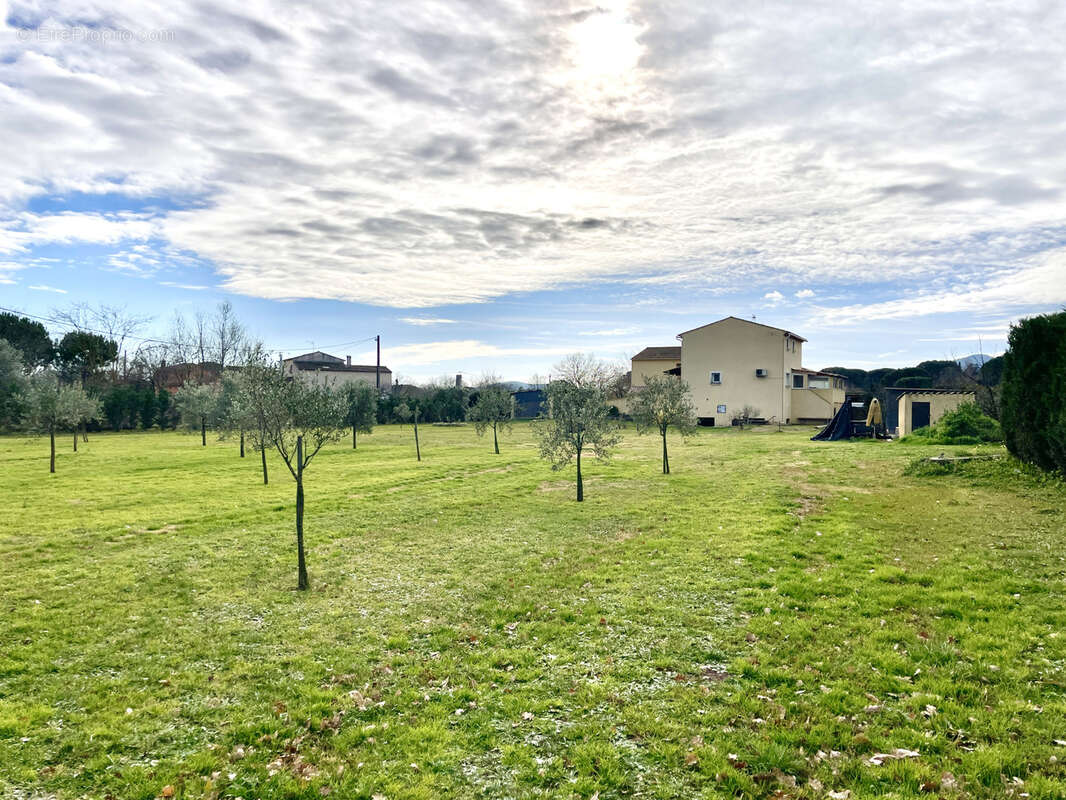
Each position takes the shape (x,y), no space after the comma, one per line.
(1036,285)
(774,297)
(426,321)
(192,287)
(44,288)
(612,331)
(804,293)
(442,156)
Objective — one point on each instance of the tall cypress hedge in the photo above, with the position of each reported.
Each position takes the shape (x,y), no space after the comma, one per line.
(1034,391)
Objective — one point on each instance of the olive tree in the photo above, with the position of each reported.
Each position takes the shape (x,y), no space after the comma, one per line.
(49,407)
(227,416)
(411,412)
(362,405)
(663,403)
(298,420)
(78,409)
(578,418)
(246,410)
(494,408)
(197,404)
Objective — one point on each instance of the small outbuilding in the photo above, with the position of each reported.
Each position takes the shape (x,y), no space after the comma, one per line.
(907,410)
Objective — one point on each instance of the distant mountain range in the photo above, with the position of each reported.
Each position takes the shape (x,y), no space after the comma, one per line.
(977,358)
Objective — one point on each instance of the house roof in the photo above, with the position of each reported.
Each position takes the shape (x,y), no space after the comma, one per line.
(329,366)
(658,354)
(818,372)
(319,357)
(915,390)
(324,361)
(723,319)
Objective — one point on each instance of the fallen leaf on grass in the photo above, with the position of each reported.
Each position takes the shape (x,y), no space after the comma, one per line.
(877,759)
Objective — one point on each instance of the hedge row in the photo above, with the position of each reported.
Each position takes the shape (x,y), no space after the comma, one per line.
(1034,391)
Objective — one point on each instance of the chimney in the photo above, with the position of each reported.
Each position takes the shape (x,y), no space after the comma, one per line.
(349,359)
(459,381)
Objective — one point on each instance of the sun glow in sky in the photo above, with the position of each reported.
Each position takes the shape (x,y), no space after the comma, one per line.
(605,46)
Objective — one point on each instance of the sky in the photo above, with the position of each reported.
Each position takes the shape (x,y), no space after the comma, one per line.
(492,185)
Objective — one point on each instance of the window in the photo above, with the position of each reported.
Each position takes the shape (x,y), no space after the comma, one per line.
(818,383)
(716,377)
(797,381)
(721,409)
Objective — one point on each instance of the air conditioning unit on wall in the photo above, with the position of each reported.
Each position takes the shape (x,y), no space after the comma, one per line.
(761,373)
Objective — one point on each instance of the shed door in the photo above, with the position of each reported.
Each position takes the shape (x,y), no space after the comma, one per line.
(919,415)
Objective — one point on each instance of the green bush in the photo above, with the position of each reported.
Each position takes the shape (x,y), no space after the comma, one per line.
(966,424)
(1034,391)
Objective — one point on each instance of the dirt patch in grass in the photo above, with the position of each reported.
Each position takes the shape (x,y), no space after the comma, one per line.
(168,528)
(806,506)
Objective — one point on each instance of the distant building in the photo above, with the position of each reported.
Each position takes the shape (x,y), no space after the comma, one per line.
(173,376)
(322,369)
(528,403)
(736,363)
(654,362)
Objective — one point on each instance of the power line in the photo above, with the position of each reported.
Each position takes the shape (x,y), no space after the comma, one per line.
(152,340)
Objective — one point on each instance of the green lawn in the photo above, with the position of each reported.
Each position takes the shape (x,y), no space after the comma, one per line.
(763,622)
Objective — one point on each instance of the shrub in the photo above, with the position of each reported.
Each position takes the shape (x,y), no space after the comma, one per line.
(1033,399)
(966,424)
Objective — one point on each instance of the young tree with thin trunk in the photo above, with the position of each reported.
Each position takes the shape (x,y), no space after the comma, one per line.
(198,406)
(362,409)
(246,411)
(661,404)
(298,419)
(228,418)
(578,418)
(49,407)
(493,409)
(78,409)
(406,412)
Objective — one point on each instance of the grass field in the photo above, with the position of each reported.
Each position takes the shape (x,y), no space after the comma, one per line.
(763,622)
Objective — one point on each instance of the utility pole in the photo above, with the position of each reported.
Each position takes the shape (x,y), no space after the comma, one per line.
(377,372)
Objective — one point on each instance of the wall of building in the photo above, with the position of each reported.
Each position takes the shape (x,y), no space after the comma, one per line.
(338,378)
(736,348)
(816,405)
(939,405)
(652,368)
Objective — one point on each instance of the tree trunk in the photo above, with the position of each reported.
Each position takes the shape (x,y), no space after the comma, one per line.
(242,444)
(84,432)
(52,438)
(495,440)
(666,460)
(203,431)
(580,485)
(303,582)
(353,438)
(263,452)
(418,451)
(75,439)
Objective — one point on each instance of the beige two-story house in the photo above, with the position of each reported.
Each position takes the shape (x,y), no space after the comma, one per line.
(733,364)
(654,362)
